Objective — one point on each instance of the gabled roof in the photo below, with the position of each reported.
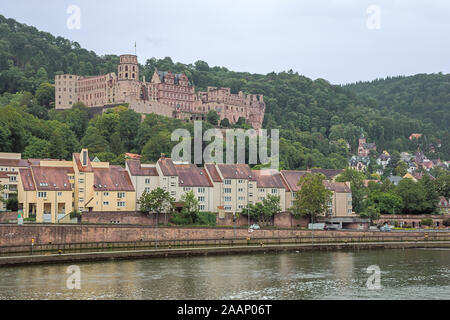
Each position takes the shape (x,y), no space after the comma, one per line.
(339,187)
(236,171)
(328,173)
(213,173)
(26,179)
(189,175)
(114,178)
(167,167)
(14,163)
(88,168)
(136,169)
(269,179)
(292,178)
(52,178)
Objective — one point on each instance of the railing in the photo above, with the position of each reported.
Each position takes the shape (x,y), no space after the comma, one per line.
(192,243)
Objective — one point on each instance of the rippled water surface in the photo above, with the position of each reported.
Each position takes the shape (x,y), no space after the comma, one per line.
(405,274)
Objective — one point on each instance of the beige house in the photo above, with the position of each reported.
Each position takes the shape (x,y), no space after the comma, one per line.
(45,191)
(270,182)
(176,178)
(144,177)
(10,163)
(50,189)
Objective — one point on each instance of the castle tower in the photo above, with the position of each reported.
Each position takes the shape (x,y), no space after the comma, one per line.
(128,68)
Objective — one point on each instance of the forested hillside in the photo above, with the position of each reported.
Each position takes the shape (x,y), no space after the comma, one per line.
(315,118)
(422,96)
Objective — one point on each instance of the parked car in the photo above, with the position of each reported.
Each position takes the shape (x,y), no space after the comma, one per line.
(386,228)
(254,227)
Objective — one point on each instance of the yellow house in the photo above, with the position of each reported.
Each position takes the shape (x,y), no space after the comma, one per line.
(45,192)
(50,190)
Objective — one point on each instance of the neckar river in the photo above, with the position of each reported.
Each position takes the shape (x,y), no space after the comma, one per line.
(404,274)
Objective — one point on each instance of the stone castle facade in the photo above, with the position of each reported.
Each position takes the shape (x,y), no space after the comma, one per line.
(167,94)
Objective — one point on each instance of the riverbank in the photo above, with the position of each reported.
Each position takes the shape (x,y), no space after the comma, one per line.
(39,259)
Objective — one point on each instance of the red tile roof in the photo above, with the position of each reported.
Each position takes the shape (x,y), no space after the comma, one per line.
(52,178)
(27,179)
(114,178)
(236,171)
(167,167)
(133,156)
(136,169)
(214,174)
(6,174)
(269,179)
(328,173)
(292,178)
(14,163)
(77,158)
(339,187)
(189,175)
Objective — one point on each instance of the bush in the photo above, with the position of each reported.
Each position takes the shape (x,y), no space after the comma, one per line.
(203,219)
(426,222)
(206,218)
(30,219)
(446,222)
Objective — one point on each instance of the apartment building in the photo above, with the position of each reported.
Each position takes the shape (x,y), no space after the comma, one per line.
(270,182)
(176,178)
(144,177)
(49,190)
(10,163)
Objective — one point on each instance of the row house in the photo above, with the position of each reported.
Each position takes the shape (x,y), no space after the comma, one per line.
(50,190)
(10,163)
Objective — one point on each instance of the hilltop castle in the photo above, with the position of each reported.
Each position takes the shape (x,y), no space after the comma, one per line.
(168,94)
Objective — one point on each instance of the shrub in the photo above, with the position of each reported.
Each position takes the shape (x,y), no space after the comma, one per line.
(206,218)
(426,222)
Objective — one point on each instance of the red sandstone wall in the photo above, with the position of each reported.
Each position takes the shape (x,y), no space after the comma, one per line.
(121,218)
(8,216)
(44,234)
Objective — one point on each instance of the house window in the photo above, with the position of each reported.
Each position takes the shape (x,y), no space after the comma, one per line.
(105,194)
(201,190)
(227,190)
(147,181)
(42,194)
(106,203)
(227,207)
(241,190)
(147,189)
(120,195)
(228,181)
(201,207)
(274,191)
(241,198)
(121,204)
(227,199)
(201,199)
(59,194)
(241,181)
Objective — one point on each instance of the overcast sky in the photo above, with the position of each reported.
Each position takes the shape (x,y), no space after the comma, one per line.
(338,40)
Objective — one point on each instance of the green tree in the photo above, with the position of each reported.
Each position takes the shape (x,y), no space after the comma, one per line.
(401,169)
(45,94)
(311,200)
(190,206)
(157,201)
(37,149)
(213,117)
(57,146)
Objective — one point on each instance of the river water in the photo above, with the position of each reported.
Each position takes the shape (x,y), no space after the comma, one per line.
(404,274)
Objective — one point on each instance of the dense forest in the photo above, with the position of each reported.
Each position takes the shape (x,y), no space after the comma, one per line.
(316,119)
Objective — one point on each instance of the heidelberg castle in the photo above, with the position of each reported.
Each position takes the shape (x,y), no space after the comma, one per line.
(167,94)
